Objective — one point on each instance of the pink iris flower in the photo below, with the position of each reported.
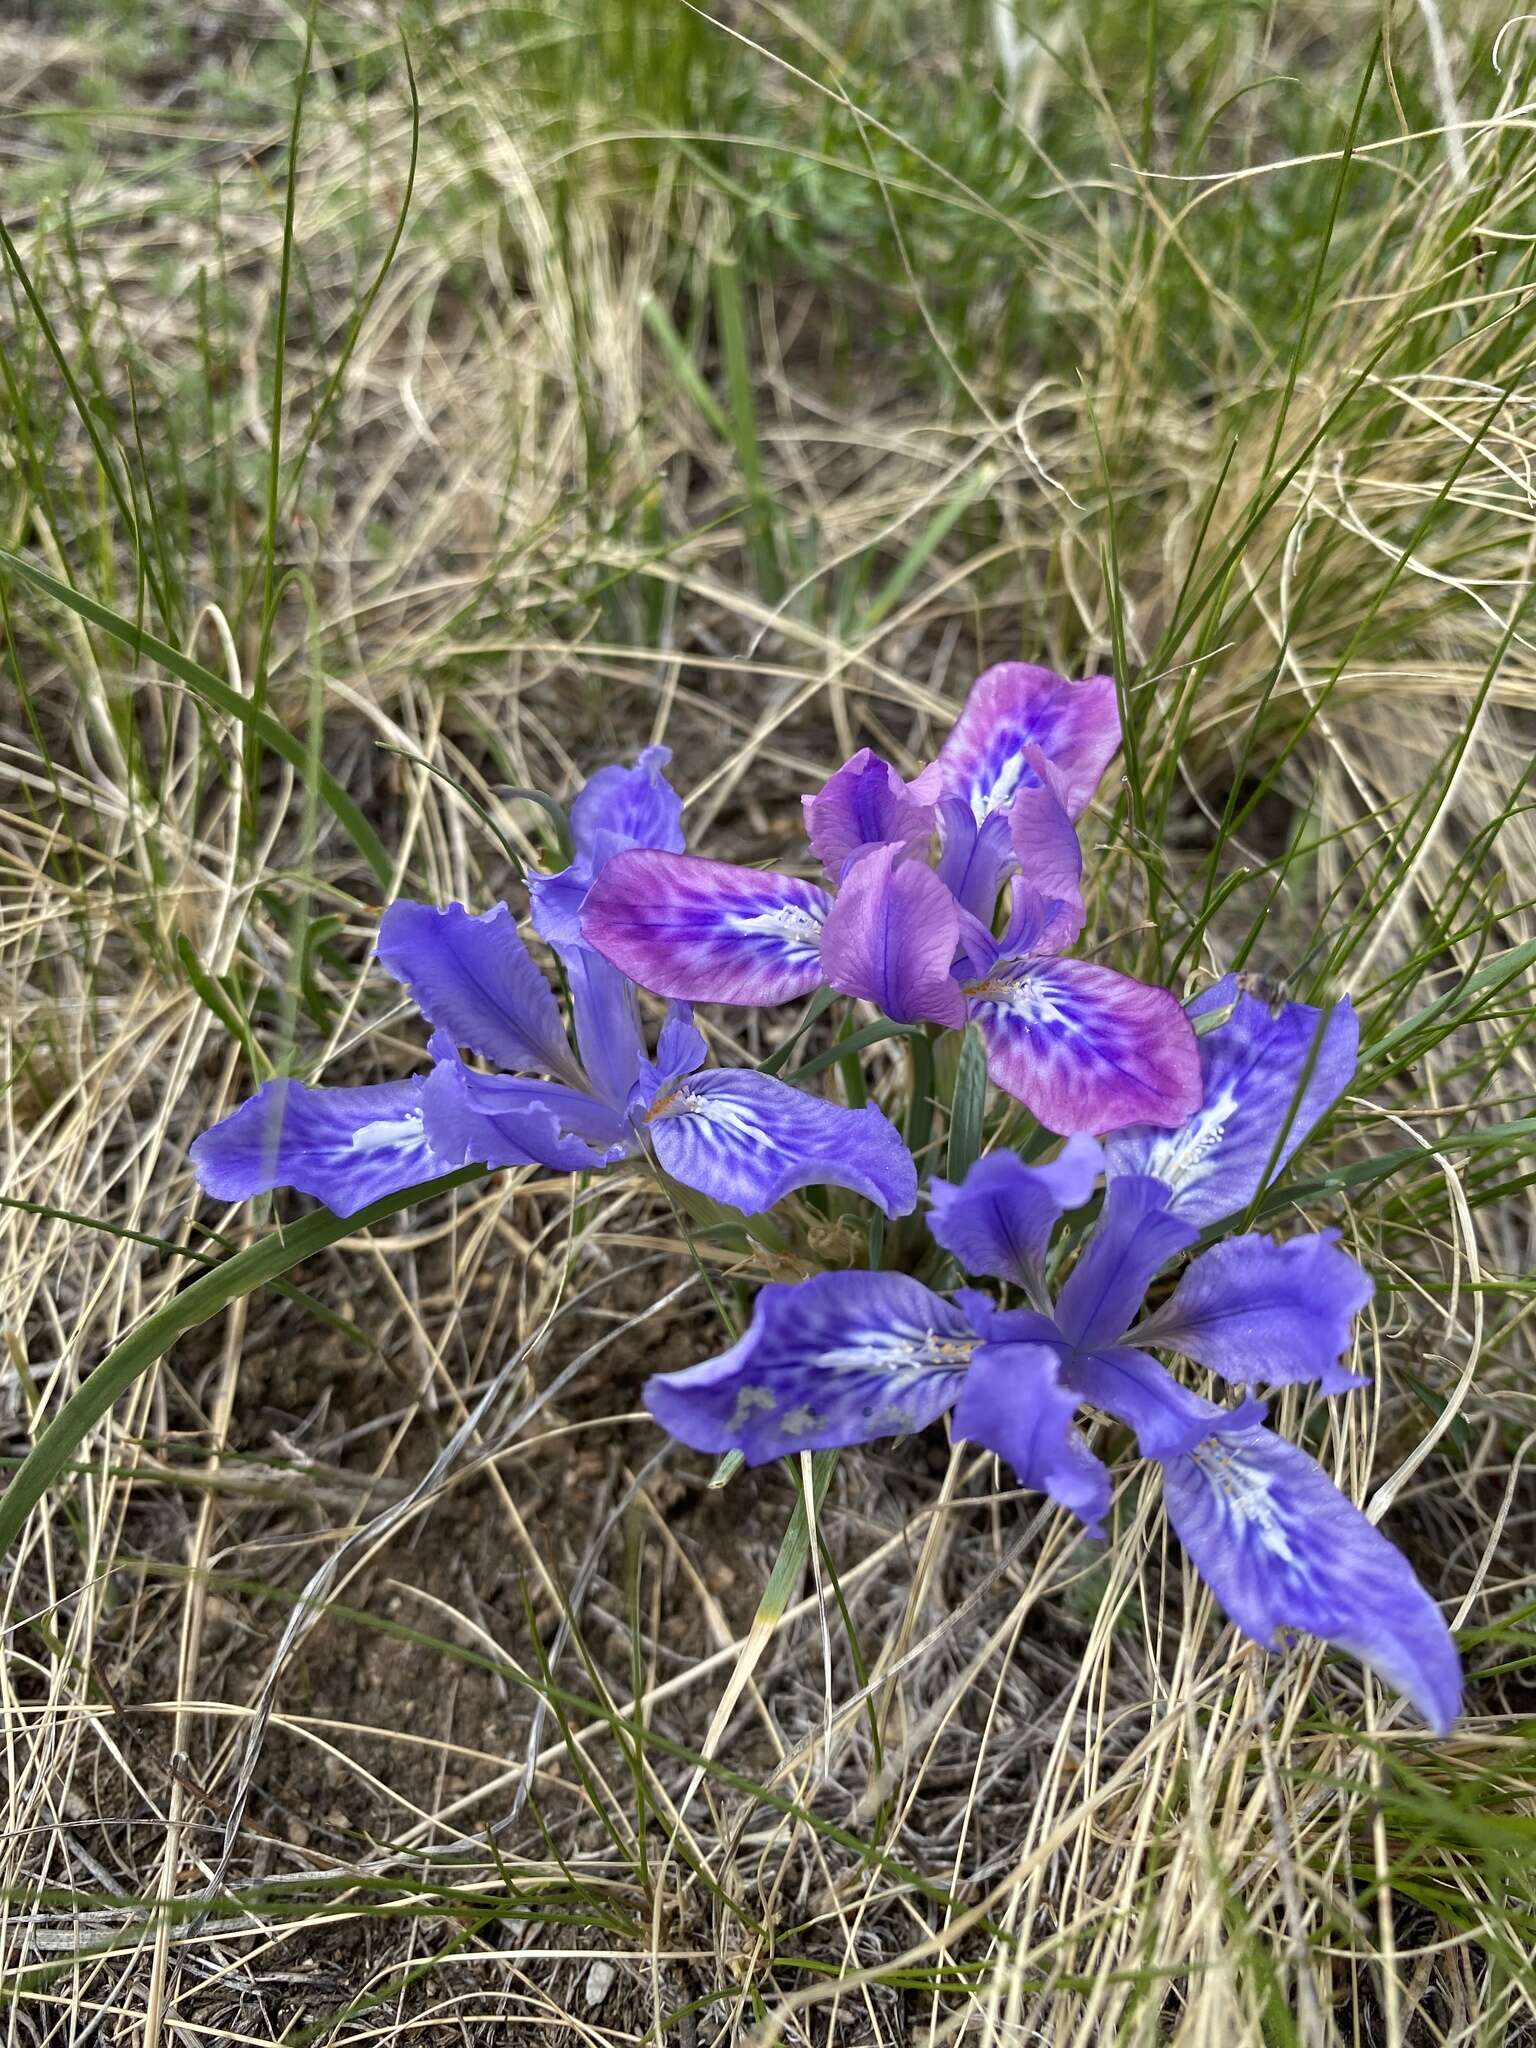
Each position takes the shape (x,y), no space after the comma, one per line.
(934,940)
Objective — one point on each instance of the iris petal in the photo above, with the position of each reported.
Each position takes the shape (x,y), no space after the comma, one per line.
(616,809)
(1133,1239)
(1250,1120)
(1048,911)
(474,978)
(1085,1049)
(748,1139)
(1076,726)
(975,858)
(504,1120)
(999,1219)
(1281,1547)
(707,931)
(844,1358)
(1168,1418)
(620,807)
(346,1147)
(606,1013)
(1013,1400)
(865,804)
(891,936)
(1266,1313)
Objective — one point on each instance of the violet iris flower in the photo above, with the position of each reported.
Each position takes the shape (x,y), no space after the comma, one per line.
(739,1136)
(1085,1049)
(850,1357)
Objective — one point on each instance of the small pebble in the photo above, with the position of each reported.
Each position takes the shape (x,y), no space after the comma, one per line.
(599,1984)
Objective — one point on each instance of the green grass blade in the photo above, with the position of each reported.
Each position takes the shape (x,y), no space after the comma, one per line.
(684,368)
(243,1274)
(896,585)
(215,691)
(731,323)
(86,414)
(365,306)
(967,1107)
(871,1034)
(270,591)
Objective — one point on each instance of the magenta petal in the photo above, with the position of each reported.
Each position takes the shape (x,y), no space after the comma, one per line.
(1084,1048)
(707,931)
(1075,725)
(890,937)
(1281,1547)
(1013,1401)
(975,859)
(616,809)
(865,804)
(1048,909)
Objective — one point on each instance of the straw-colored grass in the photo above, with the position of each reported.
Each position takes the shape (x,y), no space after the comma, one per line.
(744,378)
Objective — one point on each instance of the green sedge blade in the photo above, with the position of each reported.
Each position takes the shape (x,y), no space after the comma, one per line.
(254,1267)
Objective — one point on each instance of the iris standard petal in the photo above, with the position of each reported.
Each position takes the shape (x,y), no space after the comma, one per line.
(680,1047)
(474,978)
(606,1013)
(749,1139)
(890,937)
(999,1219)
(620,807)
(1048,911)
(1266,1313)
(1168,1419)
(1134,1238)
(975,859)
(844,1358)
(1076,726)
(554,903)
(994,1325)
(705,930)
(616,808)
(1013,1401)
(502,1120)
(1083,1048)
(1281,1547)
(1038,925)
(346,1147)
(1252,1066)
(865,804)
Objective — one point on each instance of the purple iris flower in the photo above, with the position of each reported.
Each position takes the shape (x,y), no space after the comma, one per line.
(741,1137)
(851,1357)
(1085,1049)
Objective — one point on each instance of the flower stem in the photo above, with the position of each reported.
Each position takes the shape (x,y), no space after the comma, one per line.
(920,1104)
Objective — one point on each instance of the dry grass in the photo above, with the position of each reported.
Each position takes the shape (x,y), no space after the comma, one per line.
(279,1645)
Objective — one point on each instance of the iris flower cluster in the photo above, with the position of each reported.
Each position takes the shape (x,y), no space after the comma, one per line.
(739,1136)
(1084,1049)
(952,900)
(847,1358)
